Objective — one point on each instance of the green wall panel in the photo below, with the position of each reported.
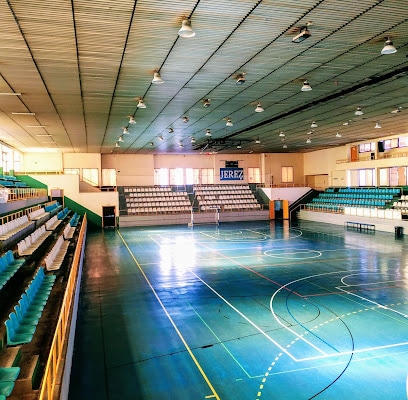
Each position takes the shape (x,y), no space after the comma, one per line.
(93,219)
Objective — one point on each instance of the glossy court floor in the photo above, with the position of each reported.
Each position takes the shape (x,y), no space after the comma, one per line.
(242,311)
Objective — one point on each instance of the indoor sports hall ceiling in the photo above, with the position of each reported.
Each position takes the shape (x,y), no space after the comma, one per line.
(72,74)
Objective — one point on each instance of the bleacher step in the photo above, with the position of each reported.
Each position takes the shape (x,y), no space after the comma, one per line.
(28,378)
(10,357)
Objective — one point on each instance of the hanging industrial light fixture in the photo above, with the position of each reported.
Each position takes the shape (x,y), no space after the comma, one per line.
(157,80)
(229,122)
(208,133)
(259,108)
(359,111)
(141,104)
(388,48)
(306,86)
(186,31)
(132,119)
(377,125)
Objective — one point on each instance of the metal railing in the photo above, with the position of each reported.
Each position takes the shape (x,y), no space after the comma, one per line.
(56,356)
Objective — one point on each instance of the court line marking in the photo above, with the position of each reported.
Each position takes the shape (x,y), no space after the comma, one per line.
(244,316)
(285,287)
(301,336)
(214,393)
(220,342)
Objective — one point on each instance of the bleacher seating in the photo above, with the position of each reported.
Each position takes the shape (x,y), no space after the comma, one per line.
(37,215)
(22,322)
(56,256)
(8,376)
(52,223)
(155,200)
(13,227)
(10,181)
(336,200)
(52,207)
(63,213)
(8,267)
(32,242)
(226,198)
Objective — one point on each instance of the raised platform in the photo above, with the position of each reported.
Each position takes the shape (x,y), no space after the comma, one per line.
(380,224)
(199,218)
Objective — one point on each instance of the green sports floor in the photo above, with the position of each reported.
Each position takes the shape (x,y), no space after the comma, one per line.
(242,311)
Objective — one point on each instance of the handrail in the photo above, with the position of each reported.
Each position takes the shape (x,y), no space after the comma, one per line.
(57,351)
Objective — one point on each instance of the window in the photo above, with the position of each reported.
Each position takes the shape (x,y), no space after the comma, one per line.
(90,175)
(108,177)
(384,181)
(17,161)
(192,176)
(207,176)
(366,147)
(365,177)
(390,144)
(287,174)
(176,176)
(161,177)
(254,175)
(403,141)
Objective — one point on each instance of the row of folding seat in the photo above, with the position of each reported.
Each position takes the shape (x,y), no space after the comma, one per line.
(8,267)
(224,197)
(158,210)
(220,187)
(158,203)
(356,196)
(55,257)
(36,214)
(156,198)
(22,322)
(8,377)
(400,204)
(32,242)
(230,201)
(350,202)
(382,190)
(14,226)
(157,194)
(147,189)
(230,207)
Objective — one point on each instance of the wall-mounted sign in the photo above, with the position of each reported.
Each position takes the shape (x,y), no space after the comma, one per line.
(231,174)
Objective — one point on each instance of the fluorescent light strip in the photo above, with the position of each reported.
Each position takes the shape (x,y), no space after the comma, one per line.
(35,126)
(43,134)
(23,113)
(9,94)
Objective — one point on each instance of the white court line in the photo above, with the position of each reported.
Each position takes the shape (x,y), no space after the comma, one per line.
(301,337)
(283,349)
(371,301)
(245,317)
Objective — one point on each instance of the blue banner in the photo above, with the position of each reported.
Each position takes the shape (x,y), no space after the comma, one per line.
(231,174)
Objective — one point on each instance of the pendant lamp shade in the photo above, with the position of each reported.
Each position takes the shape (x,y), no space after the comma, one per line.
(388,48)
(306,87)
(186,30)
(157,80)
